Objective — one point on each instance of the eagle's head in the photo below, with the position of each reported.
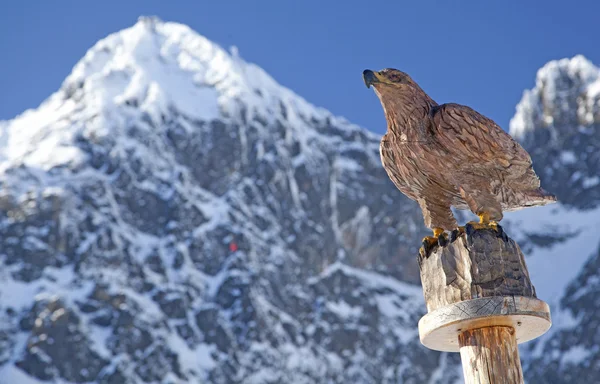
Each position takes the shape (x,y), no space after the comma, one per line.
(400,96)
(395,89)
(387,77)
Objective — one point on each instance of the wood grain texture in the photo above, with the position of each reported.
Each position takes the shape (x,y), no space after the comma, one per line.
(483,263)
(490,356)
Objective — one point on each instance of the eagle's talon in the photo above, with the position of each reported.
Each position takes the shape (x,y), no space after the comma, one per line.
(455,234)
(429,243)
(501,234)
(443,240)
(469,228)
(477,226)
(484,223)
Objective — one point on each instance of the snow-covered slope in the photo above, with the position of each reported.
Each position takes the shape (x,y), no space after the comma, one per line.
(173,215)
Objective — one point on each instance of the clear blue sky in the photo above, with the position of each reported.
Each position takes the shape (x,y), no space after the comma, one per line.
(471,52)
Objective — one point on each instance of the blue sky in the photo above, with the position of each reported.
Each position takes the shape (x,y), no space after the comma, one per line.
(471,52)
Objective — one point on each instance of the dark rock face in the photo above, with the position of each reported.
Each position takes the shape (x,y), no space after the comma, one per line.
(58,347)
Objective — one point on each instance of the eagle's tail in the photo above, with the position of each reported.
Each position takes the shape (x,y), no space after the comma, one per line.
(540,197)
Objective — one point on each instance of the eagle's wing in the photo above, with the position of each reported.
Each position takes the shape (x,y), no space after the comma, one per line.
(388,152)
(474,139)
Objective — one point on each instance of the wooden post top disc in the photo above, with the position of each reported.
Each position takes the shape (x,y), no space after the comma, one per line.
(439,329)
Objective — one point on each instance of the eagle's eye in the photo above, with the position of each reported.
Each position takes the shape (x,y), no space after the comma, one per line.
(395,78)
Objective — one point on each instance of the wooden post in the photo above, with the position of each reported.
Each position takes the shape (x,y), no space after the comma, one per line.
(488,353)
(480,301)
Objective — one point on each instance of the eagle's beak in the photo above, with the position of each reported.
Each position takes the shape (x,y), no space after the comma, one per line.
(371,77)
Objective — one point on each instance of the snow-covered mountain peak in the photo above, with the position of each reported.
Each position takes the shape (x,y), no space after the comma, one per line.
(558,122)
(167,64)
(575,67)
(150,70)
(569,85)
(152,64)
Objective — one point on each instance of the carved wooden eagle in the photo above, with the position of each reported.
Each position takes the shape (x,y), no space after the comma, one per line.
(451,155)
